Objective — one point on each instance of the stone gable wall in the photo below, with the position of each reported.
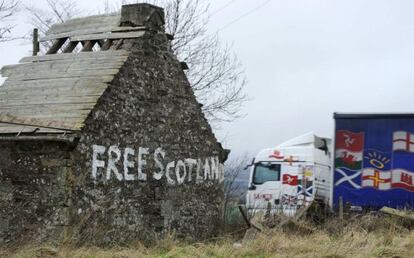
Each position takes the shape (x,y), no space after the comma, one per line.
(149,124)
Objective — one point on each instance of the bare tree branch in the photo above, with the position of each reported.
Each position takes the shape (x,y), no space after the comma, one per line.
(58,11)
(8,8)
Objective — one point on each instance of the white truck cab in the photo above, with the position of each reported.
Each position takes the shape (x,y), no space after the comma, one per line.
(290,175)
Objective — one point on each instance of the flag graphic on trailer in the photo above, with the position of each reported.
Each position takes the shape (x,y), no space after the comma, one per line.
(377,179)
(403,140)
(349,148)
(402,179)
(385,175)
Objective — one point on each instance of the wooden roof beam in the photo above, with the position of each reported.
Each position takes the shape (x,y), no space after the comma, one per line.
(70,47)
(56,46)
(88,45)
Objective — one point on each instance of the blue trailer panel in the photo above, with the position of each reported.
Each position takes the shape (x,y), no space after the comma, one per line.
(374,160)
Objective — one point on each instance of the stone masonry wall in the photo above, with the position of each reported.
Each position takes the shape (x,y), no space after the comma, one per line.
(148,162)
(34,193)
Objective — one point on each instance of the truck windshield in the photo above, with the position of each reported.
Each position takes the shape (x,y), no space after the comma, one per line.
(264,172)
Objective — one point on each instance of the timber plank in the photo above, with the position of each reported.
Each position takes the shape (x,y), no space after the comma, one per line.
(61,64)
(52,100)
(54,74)
(54,114)
(11,128)
(57,83)
(6,118)
(53,89)
(48,107)
(97,54)
(97,30)
(66,68)
(124,35)
(92,22)
(60,67)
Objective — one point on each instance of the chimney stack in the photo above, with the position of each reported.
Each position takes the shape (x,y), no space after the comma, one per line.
(147,15)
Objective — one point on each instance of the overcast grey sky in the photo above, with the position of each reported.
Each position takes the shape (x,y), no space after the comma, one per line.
(304,60)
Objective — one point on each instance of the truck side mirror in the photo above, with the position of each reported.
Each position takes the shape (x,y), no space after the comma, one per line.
(249,165)
(252,187)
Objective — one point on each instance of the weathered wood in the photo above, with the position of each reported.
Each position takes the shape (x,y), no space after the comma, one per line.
(41,108)
(73,83)
(71,56)
(88,46)
(101,42)
(70,47)
(56,92)
(48,82)
(118,44)
(248,223)
(58,74)
(49,99)
(56,46)
(6,118)
(56,115)
(61,67)
(106,45)
(398,213)
(52,89)
(36,47)
(96,30)
(90,22)
(57,138)
(62,64)
(16,129)
(125,35)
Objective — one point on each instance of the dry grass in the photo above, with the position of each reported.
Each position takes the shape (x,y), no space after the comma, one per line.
(366,236)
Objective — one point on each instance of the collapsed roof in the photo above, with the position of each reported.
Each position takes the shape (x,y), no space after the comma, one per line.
(54,93)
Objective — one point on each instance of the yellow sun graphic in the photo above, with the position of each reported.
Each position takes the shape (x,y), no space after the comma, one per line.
(377,160)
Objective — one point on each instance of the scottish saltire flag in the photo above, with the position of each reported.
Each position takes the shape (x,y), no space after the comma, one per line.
(374,160)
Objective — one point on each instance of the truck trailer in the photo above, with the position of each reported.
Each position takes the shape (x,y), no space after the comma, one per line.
(368,165)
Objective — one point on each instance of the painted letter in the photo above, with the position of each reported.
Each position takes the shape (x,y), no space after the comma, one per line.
(199,177)
(142,162)
(221,172)
(190,163)
(112,163)
(167,173)
(158,164)
(207,171)
(214,168)
(180,179)
(128,164)
(97,150)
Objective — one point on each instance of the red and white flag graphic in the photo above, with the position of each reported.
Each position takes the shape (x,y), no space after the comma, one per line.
(350,141)
(402,140)
(403,179)
(380,180)
(290,180)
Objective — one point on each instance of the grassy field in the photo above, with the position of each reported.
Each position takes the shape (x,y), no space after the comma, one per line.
(366,236)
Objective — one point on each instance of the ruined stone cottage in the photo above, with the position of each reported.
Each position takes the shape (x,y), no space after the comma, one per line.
(102,140)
